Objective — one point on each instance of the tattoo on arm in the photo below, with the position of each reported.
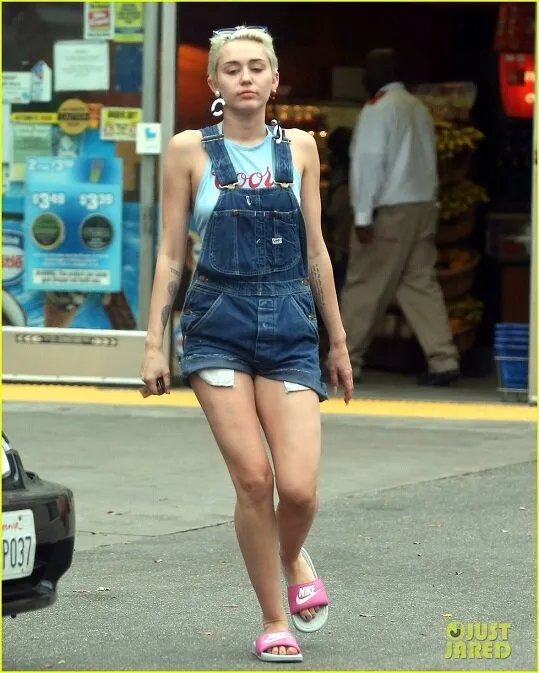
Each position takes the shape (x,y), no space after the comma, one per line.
(165,314)
(316,283)
(173,288)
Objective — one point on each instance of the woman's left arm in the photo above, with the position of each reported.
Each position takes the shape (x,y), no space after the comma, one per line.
(320,269)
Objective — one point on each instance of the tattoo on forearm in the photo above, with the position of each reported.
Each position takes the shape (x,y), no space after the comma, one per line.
(176,272)
(316,284)
(165,314)
(173,288)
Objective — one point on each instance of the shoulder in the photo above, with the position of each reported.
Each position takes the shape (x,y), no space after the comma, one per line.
(379,110)
(185,141)
(183,148)
(302,140)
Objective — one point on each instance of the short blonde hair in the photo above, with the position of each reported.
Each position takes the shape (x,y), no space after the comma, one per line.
(217,42)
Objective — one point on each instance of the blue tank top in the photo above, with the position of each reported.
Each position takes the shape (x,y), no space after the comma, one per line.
(254,167)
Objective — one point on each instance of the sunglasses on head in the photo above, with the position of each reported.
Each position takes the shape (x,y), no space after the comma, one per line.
(231,31)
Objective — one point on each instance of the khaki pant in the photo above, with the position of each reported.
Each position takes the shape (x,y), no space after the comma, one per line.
(398,264)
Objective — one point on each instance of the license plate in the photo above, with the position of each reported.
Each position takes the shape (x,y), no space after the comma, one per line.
(18,544)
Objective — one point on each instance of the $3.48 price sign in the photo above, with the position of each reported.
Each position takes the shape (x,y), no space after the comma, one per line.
(45,200)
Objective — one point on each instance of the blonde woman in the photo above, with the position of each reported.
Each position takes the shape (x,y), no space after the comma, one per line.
(249,320)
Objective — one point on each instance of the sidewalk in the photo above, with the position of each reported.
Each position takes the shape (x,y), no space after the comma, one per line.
(419,520)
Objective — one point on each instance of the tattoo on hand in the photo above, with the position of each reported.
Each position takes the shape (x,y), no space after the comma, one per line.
(165,314)
(316,281)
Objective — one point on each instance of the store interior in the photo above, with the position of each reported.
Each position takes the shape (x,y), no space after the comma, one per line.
(478,82)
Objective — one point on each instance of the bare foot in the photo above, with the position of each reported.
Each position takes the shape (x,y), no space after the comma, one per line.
(299,572)
(277,627)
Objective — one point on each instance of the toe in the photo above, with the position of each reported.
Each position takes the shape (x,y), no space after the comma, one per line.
(292,650)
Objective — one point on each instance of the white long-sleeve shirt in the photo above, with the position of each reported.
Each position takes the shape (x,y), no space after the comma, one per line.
(392,154)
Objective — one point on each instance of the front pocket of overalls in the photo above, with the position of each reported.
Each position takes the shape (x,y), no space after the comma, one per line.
(304,307)
(285,240)
(198,309)
(232,245)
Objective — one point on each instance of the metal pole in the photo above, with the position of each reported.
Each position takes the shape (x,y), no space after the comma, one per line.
(147,163)
(532,367)
(167,98)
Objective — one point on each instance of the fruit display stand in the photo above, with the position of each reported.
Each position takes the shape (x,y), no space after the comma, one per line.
(456,143)
(459,200)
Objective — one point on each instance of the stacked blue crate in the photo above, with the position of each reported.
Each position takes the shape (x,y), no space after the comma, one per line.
(511,344)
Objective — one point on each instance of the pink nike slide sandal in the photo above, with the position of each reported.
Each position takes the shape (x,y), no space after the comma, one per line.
(308,595)
(267,641)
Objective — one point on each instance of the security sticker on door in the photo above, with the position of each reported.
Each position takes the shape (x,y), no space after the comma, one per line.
(18,544)
(148,138)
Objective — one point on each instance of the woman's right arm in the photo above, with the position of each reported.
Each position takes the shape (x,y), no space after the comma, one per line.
(171,254)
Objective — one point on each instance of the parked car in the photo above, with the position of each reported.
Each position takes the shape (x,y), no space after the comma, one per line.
(38,535)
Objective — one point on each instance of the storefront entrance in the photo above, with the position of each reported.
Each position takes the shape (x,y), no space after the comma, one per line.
(79,250)
(87,114)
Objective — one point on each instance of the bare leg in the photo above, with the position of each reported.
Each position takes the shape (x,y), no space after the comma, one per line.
(231,413)
(291,423)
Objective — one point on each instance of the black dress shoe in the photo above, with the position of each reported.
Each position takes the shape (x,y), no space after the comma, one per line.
(439,379)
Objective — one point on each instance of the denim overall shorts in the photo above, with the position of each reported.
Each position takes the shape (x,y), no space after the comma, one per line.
(249,306)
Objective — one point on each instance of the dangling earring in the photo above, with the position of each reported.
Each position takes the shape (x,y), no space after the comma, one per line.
(277,131)
(217,105)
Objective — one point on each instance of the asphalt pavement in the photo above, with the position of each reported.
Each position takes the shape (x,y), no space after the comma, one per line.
(422,523)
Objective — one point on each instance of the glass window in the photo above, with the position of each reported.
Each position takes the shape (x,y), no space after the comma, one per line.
(72,97)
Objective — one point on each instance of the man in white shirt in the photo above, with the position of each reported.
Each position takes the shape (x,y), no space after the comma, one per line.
(393,188)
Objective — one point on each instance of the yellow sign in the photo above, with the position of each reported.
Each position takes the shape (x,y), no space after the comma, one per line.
(129,22)
(120,123)
(73,116)
(33,117)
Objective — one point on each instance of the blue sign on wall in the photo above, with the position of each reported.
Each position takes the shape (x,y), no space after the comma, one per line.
(73,224)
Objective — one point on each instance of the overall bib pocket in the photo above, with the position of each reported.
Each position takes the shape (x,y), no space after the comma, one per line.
(285,239)
(232,244)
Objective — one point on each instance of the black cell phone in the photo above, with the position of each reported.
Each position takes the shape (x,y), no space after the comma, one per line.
(160,384)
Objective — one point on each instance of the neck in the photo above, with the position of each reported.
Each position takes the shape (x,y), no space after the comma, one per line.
(246,130)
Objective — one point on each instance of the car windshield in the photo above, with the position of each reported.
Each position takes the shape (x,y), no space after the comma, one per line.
(6,469)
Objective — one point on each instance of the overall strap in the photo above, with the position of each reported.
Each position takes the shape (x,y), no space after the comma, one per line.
(213,142)
(284,175)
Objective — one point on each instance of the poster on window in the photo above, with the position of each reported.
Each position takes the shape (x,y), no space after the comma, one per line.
(98,20)
(73,224)
(63,309)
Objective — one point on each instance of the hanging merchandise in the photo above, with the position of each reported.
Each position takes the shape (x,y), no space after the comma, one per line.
(41,83)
